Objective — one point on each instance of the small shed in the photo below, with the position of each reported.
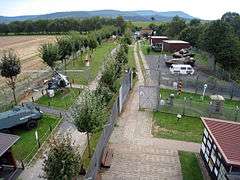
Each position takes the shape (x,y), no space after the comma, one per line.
(220,149)
(175,45)
(8,166)
(157,40)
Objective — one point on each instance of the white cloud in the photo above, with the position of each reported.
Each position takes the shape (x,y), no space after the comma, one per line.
(205,9)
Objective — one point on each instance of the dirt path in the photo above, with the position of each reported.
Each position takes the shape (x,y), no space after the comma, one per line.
(137,154)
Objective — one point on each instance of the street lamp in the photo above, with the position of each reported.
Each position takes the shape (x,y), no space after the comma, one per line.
(204,90)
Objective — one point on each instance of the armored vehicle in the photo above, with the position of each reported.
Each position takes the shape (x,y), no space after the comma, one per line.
(190,61)
(27,115)
(183,53)
(58,81)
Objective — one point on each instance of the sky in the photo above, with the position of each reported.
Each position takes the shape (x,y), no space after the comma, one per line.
(204,9)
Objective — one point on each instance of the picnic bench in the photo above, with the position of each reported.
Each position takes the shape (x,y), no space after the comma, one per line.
(107,157)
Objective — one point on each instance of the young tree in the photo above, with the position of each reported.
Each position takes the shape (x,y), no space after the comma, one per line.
(50,54)
(89,115)
(62,161)
(92,42)
(10,68)
(109,75)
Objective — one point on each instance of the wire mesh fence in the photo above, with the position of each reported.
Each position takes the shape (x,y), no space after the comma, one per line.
(193,108)
(108,129)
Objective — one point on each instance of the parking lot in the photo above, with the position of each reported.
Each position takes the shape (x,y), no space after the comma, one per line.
(159,72)
(153,62)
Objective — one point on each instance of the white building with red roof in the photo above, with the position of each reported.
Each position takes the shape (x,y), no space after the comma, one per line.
(220,149)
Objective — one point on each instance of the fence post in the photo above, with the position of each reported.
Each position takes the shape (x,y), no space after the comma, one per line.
(184,106)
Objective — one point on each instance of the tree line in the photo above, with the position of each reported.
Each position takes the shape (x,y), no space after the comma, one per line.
(65,46)
(59,26)
(73,42)
(90,116)
(220,38)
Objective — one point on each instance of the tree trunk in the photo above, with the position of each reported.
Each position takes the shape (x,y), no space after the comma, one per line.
(65,66)
(13,90)
(89,146)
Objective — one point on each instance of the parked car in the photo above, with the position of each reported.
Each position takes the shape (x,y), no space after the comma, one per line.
(190,61)
(27,115)
(183,69)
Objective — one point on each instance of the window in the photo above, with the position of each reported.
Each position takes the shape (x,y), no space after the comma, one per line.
(210,139)
(218,162)
(213,156)
(204,140)
(214,147)
(216,171)
(210,164)
(183,68)
(209,144)
(203,148)
(206,132)
(189,68)
(222,173)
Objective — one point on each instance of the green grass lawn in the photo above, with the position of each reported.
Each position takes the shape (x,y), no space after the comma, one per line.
(91,72)
(196,97)
(62,99)
(93,143)
(190,166)
(187,129)
(145,23)
(26,147)
(131,60)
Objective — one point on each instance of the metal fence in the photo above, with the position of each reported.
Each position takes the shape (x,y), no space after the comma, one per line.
(190,107)
(194,84)
(23,87)
(108,129)
(148,97)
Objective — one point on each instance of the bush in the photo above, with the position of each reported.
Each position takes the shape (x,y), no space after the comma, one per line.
(104,92)
(63,161)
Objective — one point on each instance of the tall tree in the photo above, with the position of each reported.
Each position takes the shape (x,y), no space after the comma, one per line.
(176,26)
(89,115)
(10,68)
(233,19)
(220,40)
(50,54)
(62,161)
(120,24)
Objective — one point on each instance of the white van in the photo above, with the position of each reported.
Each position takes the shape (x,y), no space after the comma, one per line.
(184,69)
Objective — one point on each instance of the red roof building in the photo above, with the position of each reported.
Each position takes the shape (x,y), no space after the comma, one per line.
(220,148)
(175,45)
(157,40)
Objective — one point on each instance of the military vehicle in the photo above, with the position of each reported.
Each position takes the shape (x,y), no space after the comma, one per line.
(183,53)
(185,60)
(26,115)
(58,81)
(157,47)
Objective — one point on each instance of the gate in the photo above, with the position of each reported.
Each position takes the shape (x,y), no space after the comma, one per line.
(149,97)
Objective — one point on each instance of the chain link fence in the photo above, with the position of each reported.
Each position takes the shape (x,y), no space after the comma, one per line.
(190,107)
(31,81)
(108,129)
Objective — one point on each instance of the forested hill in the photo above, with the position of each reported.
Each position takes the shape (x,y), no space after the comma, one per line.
(144,15)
